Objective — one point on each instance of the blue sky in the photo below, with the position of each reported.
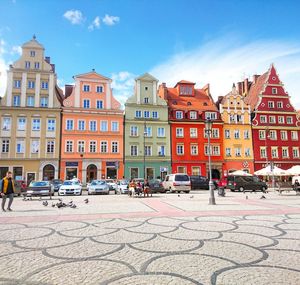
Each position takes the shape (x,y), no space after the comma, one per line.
(217,42)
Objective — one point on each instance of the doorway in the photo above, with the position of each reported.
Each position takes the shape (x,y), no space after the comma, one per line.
(111,173)
(48,172)
(215,173)
(71,172)
(149,173)
(91,173)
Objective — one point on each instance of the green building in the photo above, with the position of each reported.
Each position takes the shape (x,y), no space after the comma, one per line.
(147,132)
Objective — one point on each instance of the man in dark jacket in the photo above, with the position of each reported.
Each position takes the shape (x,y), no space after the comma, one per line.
(7,191)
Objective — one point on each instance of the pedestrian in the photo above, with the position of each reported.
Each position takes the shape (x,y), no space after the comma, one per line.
(132,187)
(146,188)
(7,191)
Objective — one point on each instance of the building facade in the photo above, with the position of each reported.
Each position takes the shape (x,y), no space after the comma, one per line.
(188,109)
(92,130)
(237,143)
(31,117)
(147,132)
(275,122)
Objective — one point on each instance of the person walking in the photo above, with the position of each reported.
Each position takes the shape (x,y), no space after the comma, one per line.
(7,191)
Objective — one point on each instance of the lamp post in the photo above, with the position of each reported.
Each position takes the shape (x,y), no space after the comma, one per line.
(208,131)
(144,136)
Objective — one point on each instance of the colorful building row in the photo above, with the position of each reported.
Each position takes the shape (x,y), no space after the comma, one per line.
(83,132)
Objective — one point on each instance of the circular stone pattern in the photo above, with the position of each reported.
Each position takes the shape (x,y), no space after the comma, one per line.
(25,233)
(209,226)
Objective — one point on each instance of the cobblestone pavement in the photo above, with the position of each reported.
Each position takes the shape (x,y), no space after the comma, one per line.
(166,239)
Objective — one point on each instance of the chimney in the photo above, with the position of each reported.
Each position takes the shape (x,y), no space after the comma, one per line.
(68,90)
(246,86)
(255,77)
(240,87)
(53,67)
(47,59)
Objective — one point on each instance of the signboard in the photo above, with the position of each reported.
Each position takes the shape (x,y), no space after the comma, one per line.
(111,163)
(71,163)
(163,169)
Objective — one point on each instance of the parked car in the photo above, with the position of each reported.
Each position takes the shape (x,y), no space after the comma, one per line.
(177,182)
(122,186)
(56,183)
(112,185)
(199,182)
(40,188)
(156,186)
(98,187)
(70,187)
(245,183)
(20,187)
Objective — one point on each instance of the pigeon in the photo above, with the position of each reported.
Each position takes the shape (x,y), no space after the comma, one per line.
(178,195)
(262,197)
(53,205)
(246,197)
(73,206)
(192,197)
(86,200)
(70,203)
(59,205)
(45,203)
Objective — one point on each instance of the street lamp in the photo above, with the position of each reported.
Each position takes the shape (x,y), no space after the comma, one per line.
(145,134)
(208,131)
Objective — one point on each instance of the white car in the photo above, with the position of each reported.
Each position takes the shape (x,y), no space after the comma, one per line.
(98,187)
(70,187)
(112,185)
(122,186)
(177,182)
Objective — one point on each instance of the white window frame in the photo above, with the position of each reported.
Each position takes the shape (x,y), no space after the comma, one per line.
(99,104)
(161,132)
(194,149)
(114,147)
(93,144)
(104,144)
(86,104)
(193,115)
(179,115)
(180,147)
(86,88)
(50,146)
(51,125)
(193,133)
(116,123)
(80,146)
(179,132)
(72,128)
(101,129)
(93,123)
(69,147)
(134,151)
(34,126)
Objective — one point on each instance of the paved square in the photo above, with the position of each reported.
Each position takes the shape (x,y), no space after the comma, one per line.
(166,239)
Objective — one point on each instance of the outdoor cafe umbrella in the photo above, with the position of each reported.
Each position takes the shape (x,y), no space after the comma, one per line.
(267,171)
(294,170)
(239,173)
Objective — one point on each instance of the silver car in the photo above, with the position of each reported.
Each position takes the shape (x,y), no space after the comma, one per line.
(98,187)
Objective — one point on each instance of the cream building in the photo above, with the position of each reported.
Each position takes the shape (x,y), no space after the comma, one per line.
(30,114)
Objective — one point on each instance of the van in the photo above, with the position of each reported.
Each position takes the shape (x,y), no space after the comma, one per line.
(245,183)
(177,182)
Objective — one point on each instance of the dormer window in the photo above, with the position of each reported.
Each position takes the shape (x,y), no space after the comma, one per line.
(189,103)
(174,102)
(186,90)
(193,115)
(179,115)
(146,100)
(205,104)
(274,90)
(211,115)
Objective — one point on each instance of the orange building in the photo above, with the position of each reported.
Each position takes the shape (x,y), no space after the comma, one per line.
(92,130)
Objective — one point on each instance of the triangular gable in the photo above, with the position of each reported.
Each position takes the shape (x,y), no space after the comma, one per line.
(92,75)
(147,77)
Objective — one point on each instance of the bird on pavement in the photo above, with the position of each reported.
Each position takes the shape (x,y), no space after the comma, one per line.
(178,195)
(86,201)
(192,197)
(45,203)
(262,197)
(246,197)
(70,203)
(73,206)
(59,199)
(53,205)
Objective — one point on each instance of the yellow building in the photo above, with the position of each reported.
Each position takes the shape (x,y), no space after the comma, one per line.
(237,144)
(30,114)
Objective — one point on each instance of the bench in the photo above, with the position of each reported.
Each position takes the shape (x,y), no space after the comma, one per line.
(287,187)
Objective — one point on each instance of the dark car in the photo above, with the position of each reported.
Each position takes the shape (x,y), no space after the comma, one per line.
(156,186)
(199,182)
(245,183)
(40,188)
(56,183)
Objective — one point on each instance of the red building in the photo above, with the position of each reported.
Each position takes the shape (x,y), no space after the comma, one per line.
(275,122)
(188,109)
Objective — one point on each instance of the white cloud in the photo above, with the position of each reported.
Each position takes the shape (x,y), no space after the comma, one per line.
(123,85)
(74,16)
(110,20)
(95,24)
(16,50)
(223,61)
(3,68)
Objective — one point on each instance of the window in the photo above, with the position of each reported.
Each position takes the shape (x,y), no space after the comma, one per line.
(179,115)
(237,152)
(70,125)
(196,170)
(239,118)
(273,135)
(271,104)
(232,118)
(148,131)
(6,124)
(21,124)
(228,151)
(236,134)
(51,125)
(133,150)
(263,152)
(93,147)
(36,65)
(211,115)
(179,132)
(99,89)
(161,132)
(193,115)
(36,124)
(294,135)
(246,134)
(86,88)
(215,133)
(274,152)
(50,146)
(146,88)
(146,100)
(35,146)
(30,101)
(274,90)
(180,149)
(148,150)
(155,115)
(27,64)
(104,147)
(285,152)
(295,152)
(20,146)
(44,84)
(86,103)
(193,132)
(161,150)
(194,149)
(262,134)
(17,83)
(138,114)
(31,84)
(134,172)
(80,147)
(17,101)
(263,119)
(272,119)
(280,105)
(44,102)
(289,120)
(227,134)
(69,146)
(115,126)
(133,131)
(280,119)
(93,126)
(103,127)
(247,152)
(283,135)
(5,146)
(81,125)
(146,114)
(215,150)
(114,147)
(186,90)
(32,53)
(99,104)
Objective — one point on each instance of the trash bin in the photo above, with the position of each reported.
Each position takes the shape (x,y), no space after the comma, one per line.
(221,191)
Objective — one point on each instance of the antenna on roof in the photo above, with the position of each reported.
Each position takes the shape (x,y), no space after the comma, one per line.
(34,36)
